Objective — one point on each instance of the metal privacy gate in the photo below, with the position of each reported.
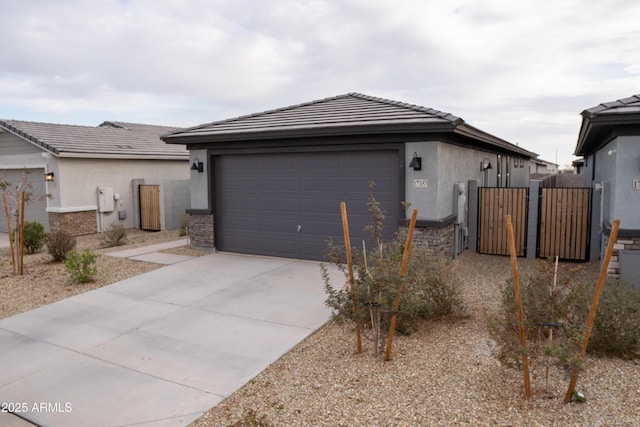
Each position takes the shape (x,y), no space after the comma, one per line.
(563,229)
(494,204)
(562,223)
(150,207)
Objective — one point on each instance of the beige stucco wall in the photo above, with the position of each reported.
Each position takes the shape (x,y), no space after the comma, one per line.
(77,181)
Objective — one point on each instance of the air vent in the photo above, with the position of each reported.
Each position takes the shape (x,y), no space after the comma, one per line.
(126,147)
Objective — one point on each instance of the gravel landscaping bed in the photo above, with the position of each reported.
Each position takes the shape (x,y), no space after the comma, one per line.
(446,373)
(46,281)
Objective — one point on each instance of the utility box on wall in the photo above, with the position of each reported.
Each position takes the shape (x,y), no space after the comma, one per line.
(630,266)
(106,202)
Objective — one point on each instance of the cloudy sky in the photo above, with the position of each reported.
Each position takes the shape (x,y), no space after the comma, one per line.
(522,70)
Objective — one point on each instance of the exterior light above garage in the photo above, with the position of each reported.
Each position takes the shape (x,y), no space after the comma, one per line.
(49,177)
(416,162)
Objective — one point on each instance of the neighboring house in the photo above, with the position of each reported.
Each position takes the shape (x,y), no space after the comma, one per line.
(94,173)
(271,183)
(539,167)
(609,141)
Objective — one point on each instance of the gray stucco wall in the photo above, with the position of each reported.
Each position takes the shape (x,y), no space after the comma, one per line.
(444,165)
(627,167)
(618,164)
(199,181)
(174,202)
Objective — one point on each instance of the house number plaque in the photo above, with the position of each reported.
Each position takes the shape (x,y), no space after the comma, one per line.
(636,184)
(420,183)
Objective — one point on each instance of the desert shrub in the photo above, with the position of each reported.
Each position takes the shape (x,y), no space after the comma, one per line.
(59,244)
(616,330)
(115,235)
(429,285)
(34,236)
(544,305)
(81,266)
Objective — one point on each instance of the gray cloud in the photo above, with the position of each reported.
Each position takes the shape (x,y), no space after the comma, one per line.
(520,70)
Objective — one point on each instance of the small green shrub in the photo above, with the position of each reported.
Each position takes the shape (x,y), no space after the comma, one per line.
(59,244)
(81,266)
(115,235)
(429,285)
(34,236)
(616,331)
(543,305)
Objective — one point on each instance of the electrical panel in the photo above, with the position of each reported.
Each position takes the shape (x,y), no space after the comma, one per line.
(106,201)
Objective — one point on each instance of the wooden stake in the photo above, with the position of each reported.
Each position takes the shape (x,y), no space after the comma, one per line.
(21,245)
(347,245)
(516,285)
(594,307)
(8,215)
(403,269)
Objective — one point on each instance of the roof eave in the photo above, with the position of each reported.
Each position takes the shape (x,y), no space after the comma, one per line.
(477,134)
(593,128)
(28,138)
(305,132)
(75,155)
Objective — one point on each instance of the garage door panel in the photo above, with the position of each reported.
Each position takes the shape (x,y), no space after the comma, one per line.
(280,183)
(321,183)
(301,189)
(248,202)
(279,205)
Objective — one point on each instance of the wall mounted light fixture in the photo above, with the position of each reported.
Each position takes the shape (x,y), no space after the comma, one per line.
(416,162)
(49,177)
(485,165)
(197,165)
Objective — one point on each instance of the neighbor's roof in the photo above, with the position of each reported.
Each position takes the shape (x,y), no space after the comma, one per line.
(109,140)
(599,121)
(349,114)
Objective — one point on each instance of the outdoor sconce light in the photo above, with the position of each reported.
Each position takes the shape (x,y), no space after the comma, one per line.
(197,165)
(485,165)
(49,177)
(416,162)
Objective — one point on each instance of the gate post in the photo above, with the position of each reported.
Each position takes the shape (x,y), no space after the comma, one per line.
(532,218)
(472,198)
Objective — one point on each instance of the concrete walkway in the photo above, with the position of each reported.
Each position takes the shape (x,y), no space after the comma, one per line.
(158,349)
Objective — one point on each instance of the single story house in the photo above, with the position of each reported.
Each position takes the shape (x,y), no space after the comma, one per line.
(271,183)
(609,142)
(542,167)
(92,174)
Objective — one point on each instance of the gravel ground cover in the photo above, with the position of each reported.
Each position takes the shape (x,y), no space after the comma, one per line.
(46,281)
(445,374)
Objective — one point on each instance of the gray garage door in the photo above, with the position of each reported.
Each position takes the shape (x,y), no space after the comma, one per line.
(34,210)
(288,204)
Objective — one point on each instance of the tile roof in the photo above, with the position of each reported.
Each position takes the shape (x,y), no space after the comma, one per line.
(598,121)
(629,105)
(349,114)
(109,140)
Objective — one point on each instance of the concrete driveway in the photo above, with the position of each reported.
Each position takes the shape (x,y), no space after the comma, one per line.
(158,349)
